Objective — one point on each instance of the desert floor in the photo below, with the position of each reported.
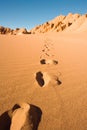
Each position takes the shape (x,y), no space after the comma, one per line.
(62,95)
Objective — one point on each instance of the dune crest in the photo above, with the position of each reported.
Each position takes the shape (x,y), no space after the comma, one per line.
(61,23)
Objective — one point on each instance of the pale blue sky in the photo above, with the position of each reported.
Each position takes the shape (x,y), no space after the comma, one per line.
(29,13)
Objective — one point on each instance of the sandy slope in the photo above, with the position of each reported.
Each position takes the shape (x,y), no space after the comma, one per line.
(69,23)
(63,106)
(79,25)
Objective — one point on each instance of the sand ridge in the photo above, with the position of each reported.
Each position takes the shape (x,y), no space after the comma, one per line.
(70,22)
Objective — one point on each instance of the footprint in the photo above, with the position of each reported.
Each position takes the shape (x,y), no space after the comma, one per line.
(43,50)
(42,78)
(39,78)
(46,46)
(44,61)
(22,116)
(47,59)
(55,62)
(47,54)
(57,80)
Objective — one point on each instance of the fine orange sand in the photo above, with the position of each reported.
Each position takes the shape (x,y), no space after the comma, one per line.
(62,93)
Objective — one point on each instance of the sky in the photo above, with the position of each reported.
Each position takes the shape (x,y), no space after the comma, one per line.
(30,13)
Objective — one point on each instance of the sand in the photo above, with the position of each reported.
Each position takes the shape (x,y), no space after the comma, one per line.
(60,90)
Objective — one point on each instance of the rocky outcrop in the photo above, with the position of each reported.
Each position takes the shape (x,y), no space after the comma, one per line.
(4,30)
(17,31)
(20,31)
(59,24)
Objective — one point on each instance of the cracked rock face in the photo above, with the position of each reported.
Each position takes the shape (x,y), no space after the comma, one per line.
(22,116)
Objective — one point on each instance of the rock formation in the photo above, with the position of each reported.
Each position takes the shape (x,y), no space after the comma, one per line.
(17,31)
(60,23)
(20,31)
(4,30)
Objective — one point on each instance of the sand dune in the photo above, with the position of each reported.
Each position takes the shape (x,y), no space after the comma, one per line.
(83,28)
(49,71)
(71,22)
(78,24)
(59,90)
